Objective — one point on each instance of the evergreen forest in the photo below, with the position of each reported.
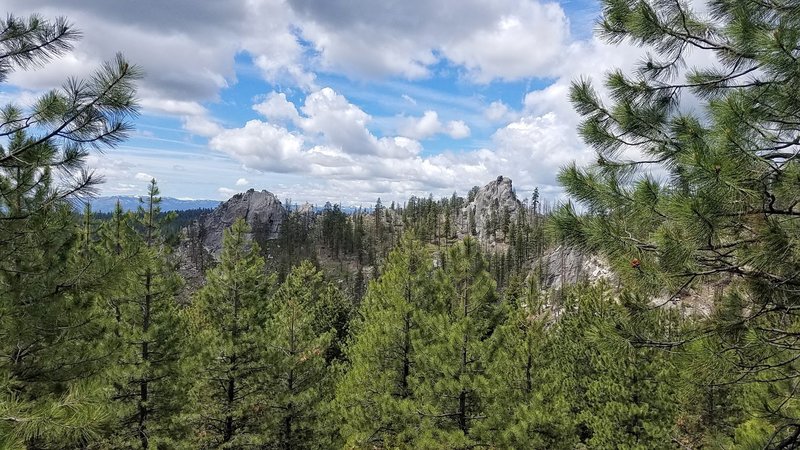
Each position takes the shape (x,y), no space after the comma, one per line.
(413,325)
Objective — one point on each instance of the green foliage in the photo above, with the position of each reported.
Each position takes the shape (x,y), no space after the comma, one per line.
(451,369)
(297,381)
(375,397)
(724,214)
(148,329)
(54,274)
(621,395)
(526,404)
(229,315)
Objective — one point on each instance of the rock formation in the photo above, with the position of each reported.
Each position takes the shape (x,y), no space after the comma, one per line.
(261,209)
(564,266)
(201,242)
(486,210)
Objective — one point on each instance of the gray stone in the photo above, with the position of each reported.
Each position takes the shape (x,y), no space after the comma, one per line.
(497,196)
(260,209)
(563,266)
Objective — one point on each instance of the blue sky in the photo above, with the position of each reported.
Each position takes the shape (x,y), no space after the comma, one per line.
(336,100)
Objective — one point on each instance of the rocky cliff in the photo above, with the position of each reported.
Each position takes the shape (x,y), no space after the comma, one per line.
(261,209)
(484,213)
(201,242)
(564,266)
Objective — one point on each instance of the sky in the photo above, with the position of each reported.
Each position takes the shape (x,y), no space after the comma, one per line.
(336,100)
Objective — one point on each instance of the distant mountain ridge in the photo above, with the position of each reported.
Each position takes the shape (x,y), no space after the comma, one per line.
(131,203)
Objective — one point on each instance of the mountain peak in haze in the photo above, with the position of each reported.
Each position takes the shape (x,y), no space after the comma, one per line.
(131,203)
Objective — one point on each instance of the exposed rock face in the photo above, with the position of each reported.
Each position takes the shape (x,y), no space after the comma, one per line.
(566,265)
(488,207)
(261,209)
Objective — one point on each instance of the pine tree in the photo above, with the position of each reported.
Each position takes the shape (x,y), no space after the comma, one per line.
(526,404)
(51,328)
(375,397)
(620,395)
(725,210)
(229,315)
(51,325)
(148,378)
(297,382)
(451,368)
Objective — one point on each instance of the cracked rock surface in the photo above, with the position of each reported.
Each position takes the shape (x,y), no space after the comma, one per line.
(260,209)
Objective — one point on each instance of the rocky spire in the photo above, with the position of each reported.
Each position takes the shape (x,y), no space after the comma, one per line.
(261,209)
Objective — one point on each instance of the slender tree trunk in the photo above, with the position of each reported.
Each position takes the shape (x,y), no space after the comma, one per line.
(289,417)
(528,375)
(231,397)
(406,371)
(230,426)
(143,382)
(406,357)
(462,398)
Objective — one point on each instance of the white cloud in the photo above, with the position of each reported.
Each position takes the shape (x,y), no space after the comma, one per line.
(342,123)
(421,127)
(497,111)
(406,38)
(428,125)
(530,150)
(457,129)
(242,182)
(277,108)
(262,145)
(495,52)
(141,176)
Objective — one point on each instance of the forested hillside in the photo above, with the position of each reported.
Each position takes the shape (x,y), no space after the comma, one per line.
(475,321)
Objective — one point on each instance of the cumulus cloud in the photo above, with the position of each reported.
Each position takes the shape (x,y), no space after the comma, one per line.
(242,182)
(141,176)
(262,146)
(421,127)
(457,129)
(495,51)
(276,107)
(497,111)
(531,150)
(428,125)
(406,38)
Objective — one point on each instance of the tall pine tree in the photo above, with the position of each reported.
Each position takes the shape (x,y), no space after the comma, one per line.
(376,398)
(229,315)
(51,346)
(150,330)
(712,196)
(451,368)
(297,383)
